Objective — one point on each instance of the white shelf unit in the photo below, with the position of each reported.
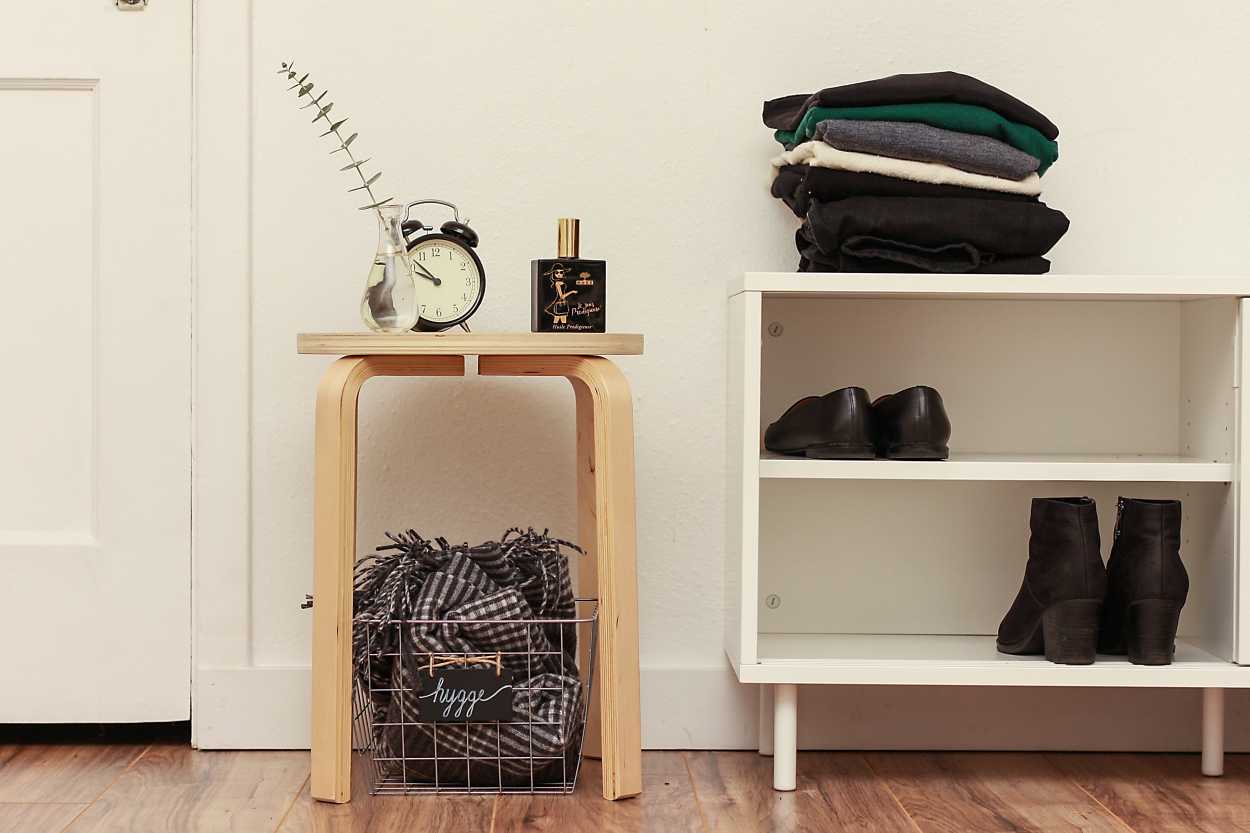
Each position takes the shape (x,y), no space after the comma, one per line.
(895,572)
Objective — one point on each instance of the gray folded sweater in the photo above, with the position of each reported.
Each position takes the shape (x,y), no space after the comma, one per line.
(925,143)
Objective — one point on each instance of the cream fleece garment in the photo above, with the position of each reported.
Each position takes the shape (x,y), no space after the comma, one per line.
(821,155)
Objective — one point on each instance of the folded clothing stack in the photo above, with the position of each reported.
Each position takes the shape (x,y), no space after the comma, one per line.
(929,172)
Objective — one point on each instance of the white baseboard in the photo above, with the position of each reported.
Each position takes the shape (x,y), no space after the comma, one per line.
(252,708)
(706,708)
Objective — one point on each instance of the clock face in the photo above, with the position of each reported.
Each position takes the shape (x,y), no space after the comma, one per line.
(459,287)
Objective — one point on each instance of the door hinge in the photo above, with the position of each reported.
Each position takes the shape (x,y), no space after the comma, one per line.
(131,5)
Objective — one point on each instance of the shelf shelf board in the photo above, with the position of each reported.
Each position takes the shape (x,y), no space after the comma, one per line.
(896,659)
(1015,287)
(1129,468)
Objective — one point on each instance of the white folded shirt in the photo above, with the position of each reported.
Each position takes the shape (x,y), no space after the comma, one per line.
(821,155)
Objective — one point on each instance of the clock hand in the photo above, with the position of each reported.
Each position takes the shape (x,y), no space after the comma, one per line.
(425,273)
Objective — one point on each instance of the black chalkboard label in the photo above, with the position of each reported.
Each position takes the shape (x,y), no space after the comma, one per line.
(457,695)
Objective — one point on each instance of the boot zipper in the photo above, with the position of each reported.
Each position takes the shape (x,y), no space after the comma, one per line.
(1119,510)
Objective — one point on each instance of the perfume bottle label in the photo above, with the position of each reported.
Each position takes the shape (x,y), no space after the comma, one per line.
(569,295)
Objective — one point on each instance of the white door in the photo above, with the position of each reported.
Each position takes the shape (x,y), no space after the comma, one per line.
(95,150)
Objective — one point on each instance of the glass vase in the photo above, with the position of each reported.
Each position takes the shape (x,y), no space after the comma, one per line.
(390,303)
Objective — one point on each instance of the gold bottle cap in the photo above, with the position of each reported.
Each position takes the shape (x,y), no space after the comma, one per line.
(567,243)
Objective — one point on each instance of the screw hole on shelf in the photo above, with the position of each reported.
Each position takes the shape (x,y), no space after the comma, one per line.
(775,329)
(772,601)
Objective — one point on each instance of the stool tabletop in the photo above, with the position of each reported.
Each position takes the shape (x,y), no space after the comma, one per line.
(470,344)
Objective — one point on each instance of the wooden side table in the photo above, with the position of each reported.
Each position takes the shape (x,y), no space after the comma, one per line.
(605,496)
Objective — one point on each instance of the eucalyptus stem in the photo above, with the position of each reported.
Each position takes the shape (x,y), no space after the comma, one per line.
(304,89)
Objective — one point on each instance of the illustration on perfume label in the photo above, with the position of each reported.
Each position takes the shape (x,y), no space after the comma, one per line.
(569,296)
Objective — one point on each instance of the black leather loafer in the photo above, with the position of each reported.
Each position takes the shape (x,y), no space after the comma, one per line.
(911,425)
(836,426)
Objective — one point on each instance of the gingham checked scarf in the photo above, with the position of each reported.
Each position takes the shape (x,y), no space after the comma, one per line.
(417,598)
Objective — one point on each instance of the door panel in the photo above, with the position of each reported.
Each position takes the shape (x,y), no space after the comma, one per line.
(95,328)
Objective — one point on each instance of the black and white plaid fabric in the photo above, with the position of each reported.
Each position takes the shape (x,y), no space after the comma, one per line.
(419,599)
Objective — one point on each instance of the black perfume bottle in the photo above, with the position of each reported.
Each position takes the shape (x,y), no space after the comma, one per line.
(568,294)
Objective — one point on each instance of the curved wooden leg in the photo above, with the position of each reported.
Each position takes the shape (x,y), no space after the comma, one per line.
(334,547)
(606,465)
(587,567)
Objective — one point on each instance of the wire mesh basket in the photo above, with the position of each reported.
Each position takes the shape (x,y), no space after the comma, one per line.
(419,736)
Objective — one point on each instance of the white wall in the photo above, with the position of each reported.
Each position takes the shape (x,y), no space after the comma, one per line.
(641,118)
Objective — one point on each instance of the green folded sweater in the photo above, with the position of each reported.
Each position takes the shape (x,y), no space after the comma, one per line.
(966,118)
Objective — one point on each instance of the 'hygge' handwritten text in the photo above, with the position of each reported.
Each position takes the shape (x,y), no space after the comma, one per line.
(461,700)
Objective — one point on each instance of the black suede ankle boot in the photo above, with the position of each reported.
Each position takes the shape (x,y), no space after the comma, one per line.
(1057,609)
(1146,582)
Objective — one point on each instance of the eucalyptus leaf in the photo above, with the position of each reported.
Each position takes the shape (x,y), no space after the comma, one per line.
(333,128)
(373,179)
(353,165)
(345,145)
(377,204)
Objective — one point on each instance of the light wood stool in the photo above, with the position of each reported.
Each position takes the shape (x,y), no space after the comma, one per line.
(605,499)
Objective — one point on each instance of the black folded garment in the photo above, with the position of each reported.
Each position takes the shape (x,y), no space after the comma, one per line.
(798,185)
(785,113)
(928,234)
(812,259)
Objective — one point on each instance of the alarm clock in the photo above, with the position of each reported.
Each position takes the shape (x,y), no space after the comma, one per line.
(450,279)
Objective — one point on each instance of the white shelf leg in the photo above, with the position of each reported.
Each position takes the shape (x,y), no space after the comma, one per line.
(766,720)
(1213,731)
(785,736)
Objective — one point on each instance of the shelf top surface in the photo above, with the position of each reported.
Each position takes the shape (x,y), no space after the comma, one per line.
(470,344)
(994,287)
(1120,468)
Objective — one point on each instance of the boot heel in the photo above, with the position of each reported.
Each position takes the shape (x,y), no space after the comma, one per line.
(1150,632)
(1070,631)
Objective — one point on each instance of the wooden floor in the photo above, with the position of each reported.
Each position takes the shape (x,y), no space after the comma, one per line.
(168,787)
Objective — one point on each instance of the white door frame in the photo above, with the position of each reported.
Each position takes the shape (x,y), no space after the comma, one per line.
(236,703)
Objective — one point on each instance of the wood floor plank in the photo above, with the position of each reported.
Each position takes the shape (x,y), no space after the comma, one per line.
(836,792)
(37,818)
(666,805)
(389,813)
(61,773)
(175,789)
(1165,793)
(984,792)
